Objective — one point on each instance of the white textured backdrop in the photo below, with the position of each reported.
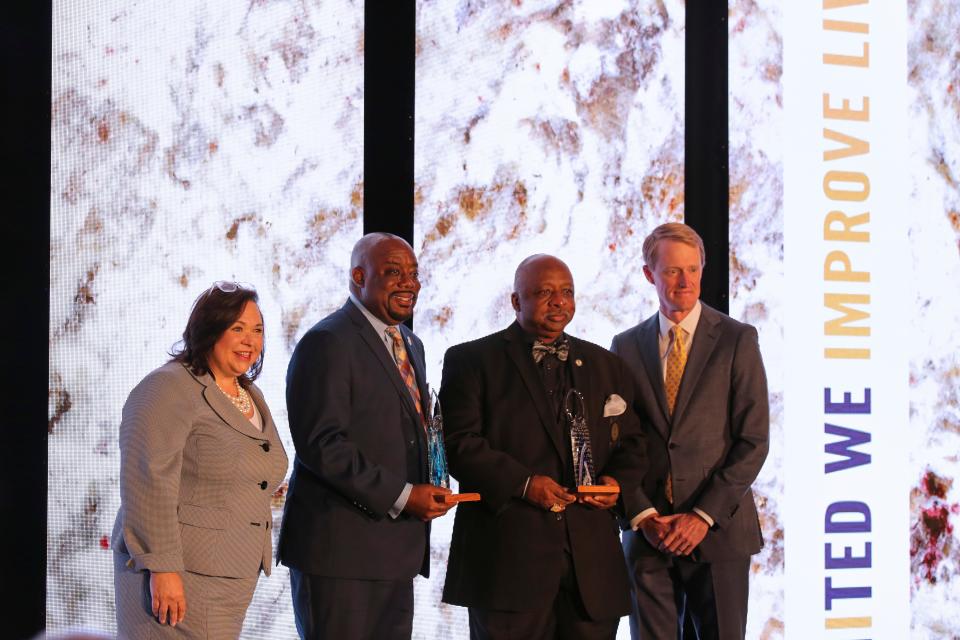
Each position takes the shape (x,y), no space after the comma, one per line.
(192,141)
(196,141)
(542,127)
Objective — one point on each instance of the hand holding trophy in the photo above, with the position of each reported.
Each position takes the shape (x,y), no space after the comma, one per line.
(437,453)
(584,471)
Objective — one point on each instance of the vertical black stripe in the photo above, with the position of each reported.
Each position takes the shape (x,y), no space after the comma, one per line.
(388,75)
(26,86)
(707,181)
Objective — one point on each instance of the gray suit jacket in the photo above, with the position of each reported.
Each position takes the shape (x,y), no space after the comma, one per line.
(196,478)
(715,442)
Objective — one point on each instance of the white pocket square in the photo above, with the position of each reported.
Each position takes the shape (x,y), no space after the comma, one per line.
(614,406)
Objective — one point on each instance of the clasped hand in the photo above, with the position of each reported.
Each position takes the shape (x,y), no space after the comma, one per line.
(677,534)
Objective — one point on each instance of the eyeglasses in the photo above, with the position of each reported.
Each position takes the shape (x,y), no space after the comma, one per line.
(230,287)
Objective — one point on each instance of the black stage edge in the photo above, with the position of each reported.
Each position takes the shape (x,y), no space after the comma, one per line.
(707,180)
(26,146)
(388,76)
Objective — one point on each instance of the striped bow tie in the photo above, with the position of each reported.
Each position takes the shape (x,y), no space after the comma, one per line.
(559,348)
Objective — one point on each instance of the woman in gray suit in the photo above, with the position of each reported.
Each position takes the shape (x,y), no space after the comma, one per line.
(200,459)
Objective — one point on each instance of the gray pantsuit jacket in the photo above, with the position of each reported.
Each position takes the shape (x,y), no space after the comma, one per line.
(713,446)
(196,479)
(715,442)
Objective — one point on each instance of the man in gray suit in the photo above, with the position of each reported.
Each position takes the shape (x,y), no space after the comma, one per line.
(356,522)
(702,395)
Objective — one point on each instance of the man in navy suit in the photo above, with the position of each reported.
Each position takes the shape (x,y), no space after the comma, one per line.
(356,522)
(702,395)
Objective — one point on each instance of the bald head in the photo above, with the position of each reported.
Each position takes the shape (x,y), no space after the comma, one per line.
(543,296)
(366,246)
(384,276)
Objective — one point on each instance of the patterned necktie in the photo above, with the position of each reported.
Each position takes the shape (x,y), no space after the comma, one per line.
(406,371)
(559,348)
(676,361)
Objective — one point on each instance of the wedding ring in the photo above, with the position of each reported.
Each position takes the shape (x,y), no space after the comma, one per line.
(556,508)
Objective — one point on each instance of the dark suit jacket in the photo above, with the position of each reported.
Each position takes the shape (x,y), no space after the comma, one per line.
(500,428)
(716,440)
(358,440)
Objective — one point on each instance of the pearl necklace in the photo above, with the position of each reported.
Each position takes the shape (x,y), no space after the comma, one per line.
(241,401)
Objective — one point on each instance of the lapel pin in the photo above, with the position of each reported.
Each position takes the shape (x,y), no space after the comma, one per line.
(578,362)
(409,341)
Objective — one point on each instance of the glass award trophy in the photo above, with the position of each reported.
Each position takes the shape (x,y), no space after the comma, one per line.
(437,454)
(573,407)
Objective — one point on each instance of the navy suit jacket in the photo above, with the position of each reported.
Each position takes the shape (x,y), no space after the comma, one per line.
(716,440)
(358,440)
(500,427)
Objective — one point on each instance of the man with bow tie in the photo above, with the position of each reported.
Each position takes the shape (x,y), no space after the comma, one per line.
(534,559)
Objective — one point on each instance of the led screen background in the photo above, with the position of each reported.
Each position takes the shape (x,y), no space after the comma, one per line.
(932,258)
(193,142)
(928,256)
(756,261)
(541,127)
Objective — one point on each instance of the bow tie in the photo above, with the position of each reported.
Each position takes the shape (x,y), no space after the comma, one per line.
(559,348)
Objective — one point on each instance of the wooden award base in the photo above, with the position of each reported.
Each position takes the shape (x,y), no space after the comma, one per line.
(454,498)
(597,489)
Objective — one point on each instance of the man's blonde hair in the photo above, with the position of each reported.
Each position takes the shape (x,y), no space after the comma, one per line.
(676,231)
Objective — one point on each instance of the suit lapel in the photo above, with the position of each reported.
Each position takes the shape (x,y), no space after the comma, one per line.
(379,349)
(704,341)
(522,359)
(648,343)
(222,406)
(578,372)
(580,369)
(269,426)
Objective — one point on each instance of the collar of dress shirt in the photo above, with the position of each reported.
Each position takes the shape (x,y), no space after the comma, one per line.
(378,325)
(689,324)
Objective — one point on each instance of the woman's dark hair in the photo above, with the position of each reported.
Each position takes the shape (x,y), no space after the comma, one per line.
(214,311)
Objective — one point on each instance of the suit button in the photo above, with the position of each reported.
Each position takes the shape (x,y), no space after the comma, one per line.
(559,517)
(263,485)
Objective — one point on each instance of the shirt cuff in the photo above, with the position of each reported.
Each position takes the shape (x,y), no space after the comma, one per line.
(703,514)
(638,519)
(401,502)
